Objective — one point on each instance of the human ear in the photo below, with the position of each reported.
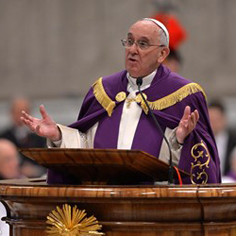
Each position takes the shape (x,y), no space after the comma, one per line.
(163,54)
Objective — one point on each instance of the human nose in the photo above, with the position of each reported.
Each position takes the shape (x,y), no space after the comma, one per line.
(134,47)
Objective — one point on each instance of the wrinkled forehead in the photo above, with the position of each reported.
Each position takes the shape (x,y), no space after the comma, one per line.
(153,28)
(145,29)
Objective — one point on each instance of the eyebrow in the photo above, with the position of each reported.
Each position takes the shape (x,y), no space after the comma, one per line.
(142,38)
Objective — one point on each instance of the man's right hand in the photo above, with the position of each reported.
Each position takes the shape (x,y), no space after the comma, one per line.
(44,127)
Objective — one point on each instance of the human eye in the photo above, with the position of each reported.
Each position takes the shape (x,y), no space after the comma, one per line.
(129,41)
(143,44)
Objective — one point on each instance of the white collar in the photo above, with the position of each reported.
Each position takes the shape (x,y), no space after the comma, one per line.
(147,80)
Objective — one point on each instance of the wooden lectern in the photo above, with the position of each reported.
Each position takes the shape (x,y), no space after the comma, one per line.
(125,210)
(102,166)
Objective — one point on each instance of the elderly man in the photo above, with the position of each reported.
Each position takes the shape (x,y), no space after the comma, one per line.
(114,115)
(23,138)
(9,160)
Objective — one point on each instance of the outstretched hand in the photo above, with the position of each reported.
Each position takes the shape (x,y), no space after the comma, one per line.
(44,127)
(187,124)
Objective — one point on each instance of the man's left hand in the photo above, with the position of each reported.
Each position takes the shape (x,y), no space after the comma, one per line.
(187,124)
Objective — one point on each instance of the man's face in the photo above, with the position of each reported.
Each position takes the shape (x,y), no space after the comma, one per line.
(9,161)
(139,62)
(18,106)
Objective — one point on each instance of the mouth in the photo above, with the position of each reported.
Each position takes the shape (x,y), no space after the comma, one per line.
(132,59)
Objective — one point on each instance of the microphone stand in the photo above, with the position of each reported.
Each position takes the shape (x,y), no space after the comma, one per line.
(139,82)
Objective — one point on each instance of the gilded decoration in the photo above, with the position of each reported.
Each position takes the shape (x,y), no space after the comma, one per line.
(176,96)
(108,104)
(201,157)
(102,97)
(140,100)
(121,96)
(128,101)
(64,222)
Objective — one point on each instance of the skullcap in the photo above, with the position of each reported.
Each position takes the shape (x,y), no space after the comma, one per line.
(158,23)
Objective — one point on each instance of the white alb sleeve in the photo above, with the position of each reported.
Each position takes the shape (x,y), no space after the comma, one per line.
(175,147)
(71,138)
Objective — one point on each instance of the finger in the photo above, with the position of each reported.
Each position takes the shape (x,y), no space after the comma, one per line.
(189,123)
(193,121)
(29,124)
(186,113)
(26,115)
(195,117)
(196,114)
(43,111)
(23,120)
(23,114)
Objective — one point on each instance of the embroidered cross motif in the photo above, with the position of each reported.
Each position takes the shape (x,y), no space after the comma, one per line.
(128,102)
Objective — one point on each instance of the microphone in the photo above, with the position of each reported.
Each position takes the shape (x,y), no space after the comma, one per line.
(139,82)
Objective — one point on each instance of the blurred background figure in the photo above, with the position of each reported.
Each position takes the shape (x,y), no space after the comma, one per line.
(164,13)
(9,160)
(22,137)
(9,169)
(225,137)
(173,61)
(230,176)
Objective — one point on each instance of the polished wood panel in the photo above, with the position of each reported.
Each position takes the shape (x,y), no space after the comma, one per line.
(125,210)
(102,165)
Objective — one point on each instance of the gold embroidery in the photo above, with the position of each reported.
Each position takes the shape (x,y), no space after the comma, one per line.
(170,99)
(139,97)
(198,151)
(108,104)
(140,100)
(176,96)
(128,102)
(121,96)
(102,97)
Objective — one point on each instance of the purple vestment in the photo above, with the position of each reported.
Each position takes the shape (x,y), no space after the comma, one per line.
(199,154)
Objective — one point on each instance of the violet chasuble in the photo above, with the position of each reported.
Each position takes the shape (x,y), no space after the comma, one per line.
(167,96)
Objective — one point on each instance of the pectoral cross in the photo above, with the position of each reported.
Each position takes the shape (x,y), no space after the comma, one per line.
(128,102)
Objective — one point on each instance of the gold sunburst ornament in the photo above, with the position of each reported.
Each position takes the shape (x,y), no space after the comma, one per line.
(64,222)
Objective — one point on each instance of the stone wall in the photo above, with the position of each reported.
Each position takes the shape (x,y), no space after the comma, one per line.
(55,48)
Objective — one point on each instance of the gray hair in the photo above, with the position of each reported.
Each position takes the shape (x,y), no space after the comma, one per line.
(163,39)
(163,32)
